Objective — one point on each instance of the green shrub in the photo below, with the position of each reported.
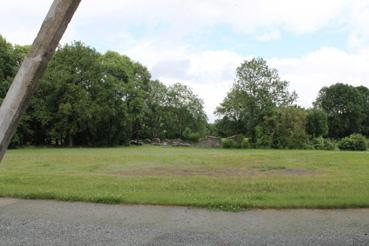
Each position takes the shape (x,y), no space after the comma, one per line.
(228,143)
(236,142)
(245,144)
(355,142)
(15,142)
(321,143)
(191,136)
(237,138)
(308,146)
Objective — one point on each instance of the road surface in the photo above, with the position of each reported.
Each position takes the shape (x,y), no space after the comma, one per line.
(33,222)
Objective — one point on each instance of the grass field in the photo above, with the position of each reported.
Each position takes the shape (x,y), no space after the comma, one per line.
(213,178)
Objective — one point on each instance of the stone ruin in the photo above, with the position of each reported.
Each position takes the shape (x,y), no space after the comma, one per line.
(210,142)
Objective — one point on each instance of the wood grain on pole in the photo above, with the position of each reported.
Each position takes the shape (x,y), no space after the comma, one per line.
(32,68)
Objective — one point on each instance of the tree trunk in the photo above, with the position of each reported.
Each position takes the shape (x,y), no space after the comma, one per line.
(25,82)
(70,141)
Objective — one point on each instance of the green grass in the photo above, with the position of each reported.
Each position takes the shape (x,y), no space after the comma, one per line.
(212,178)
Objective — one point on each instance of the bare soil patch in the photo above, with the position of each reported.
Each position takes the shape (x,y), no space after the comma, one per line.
(215,172)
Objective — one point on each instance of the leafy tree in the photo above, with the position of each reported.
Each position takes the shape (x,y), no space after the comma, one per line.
(128,91)
(284,128)
(226,127)
(156,113)
(256,92)
(364,91)
(321,143)
(184,110)
(113,124)
(211,129)
(344,105)
(137,95)
(86,98)
(316,123)
(10,60)
(20,52)
(290,131)
(7,66)
(71,85)
(266,129)
(354,142)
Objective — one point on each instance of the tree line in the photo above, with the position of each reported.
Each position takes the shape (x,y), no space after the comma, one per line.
(87,98)
(260,107)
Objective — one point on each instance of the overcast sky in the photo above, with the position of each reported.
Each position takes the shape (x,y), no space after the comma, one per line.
(313,43)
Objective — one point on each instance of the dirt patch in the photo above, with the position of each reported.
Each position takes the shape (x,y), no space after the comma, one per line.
(169,171)
(294,172)
(282,170)
(215,172)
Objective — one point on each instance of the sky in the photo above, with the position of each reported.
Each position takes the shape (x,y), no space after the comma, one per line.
(200,43)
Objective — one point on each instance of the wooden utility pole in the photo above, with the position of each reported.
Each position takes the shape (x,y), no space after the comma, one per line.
(33,66)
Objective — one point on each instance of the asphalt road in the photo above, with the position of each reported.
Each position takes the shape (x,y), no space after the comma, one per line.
(26,222)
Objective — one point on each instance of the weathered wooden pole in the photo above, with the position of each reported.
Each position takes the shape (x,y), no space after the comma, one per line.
(25,82)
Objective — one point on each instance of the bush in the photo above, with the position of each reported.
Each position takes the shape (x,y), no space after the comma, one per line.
(236,142)
(355,142)
(191,136)
(316,123)
(308,146)
(245,144)
(15,142)
(323,144)
(229,143)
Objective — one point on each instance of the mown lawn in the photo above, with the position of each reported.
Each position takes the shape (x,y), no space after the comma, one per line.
(213,178)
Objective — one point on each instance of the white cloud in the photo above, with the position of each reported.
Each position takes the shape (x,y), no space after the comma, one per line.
(323,67)
(270,36)
(244,15)
(357,22)
(163,47)
(183,17)
(211,73)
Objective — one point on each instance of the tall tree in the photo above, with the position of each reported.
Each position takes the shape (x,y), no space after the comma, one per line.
(156,113)
(290,131)
(257,90)
(184,110)
(86,98)
(364,91)
(121,98)
(283,128)
(7,66)
(316,123)
(69,87)
(11,58)
(344,105)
